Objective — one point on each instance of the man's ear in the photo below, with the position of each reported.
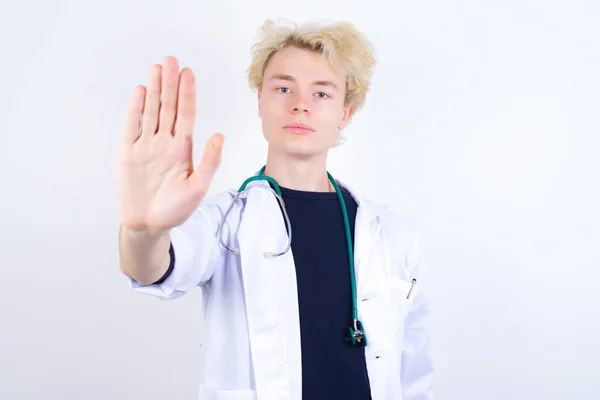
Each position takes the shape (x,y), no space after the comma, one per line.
(348,111)
(258,100)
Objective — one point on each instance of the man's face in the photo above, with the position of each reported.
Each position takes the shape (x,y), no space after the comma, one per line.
(300,87)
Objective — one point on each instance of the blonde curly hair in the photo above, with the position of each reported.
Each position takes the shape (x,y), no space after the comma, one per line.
(347,50)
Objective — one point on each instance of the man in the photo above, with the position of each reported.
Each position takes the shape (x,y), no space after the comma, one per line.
(341,314)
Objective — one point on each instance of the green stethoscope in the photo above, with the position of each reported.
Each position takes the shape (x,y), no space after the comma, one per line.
(356,332)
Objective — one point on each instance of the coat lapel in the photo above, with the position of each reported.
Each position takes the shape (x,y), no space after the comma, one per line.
(270,295)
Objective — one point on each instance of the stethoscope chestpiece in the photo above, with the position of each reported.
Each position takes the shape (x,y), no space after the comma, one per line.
(356,334)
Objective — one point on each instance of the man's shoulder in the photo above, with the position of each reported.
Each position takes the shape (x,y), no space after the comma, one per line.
(399,223)
(221,198)
(393,220)
(400,231)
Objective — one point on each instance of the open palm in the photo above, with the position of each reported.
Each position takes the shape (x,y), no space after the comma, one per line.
(157,185)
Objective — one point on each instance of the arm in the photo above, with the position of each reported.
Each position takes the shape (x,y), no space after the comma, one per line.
(144,256)
(189,258)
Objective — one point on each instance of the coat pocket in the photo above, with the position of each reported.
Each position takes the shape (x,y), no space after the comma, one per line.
(383,307)
(209,393)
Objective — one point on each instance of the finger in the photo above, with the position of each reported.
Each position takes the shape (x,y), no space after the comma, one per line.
(211,159)
(134,114)
(152,102)
(186,104)
(168,100)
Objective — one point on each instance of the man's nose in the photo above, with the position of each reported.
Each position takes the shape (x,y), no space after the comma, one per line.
(300,104)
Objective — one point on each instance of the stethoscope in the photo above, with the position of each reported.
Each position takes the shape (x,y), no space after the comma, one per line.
(356,334)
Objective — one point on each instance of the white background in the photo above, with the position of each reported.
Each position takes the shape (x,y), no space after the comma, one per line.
(482,125)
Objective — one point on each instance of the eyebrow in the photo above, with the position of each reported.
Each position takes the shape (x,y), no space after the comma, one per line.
(285,77)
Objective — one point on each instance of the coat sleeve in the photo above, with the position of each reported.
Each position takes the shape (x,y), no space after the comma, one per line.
(195,252)
(417,364)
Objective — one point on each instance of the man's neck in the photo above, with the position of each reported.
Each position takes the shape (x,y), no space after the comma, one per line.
(309,174)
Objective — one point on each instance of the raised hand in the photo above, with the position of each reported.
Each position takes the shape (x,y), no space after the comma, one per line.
(157,185)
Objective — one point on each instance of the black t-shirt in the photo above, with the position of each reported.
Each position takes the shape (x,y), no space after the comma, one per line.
(331,367)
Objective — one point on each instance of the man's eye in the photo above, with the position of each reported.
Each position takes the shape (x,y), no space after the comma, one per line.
(283,89)
(322,95)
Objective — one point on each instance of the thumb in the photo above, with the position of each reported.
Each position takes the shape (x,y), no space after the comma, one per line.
(211,159)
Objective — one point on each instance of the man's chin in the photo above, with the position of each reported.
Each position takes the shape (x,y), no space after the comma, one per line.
(299,150)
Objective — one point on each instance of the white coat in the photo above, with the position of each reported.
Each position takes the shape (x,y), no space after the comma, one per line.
(252,332)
